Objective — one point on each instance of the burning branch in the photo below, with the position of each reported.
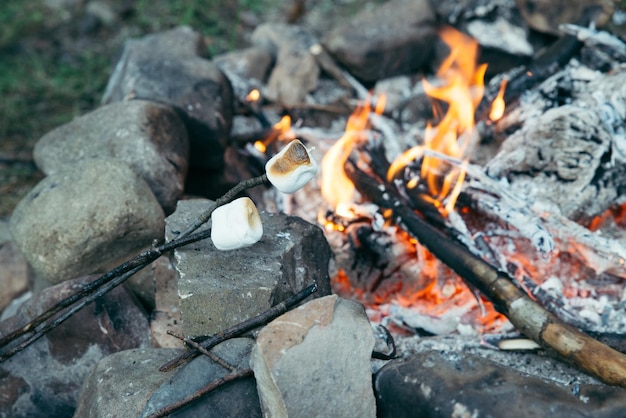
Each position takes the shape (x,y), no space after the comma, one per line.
(528,317)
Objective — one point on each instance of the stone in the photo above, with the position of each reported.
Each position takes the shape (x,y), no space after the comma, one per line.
(237,399)
(150,138)
(85,218)
(393,39)
(119,385)
(253,62)
(218,289)
(14,273)
(316,359)
(45,378)
(129,384)
(438,384)
(547,15)
(169,68)
(166,314)
(295,72)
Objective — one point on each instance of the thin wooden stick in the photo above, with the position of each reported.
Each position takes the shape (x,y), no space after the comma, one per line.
(115,277)
(573,346)
(245,326)
(191,343)
(228,197)
(167,410)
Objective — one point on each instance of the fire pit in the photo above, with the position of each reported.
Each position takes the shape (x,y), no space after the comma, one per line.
(471,193)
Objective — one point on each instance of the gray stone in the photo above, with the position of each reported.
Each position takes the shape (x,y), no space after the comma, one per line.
(237,399)
(254,62)
(168,68)
(315,360)
(295,72)
(392,39)
(436,384)
(83,219)
(121,384)
(218,289)
(129,384)
(150,138)
(166,314)
(45,378)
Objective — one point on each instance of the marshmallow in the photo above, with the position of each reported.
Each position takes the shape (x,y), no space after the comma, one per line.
(291,168)
(236,225)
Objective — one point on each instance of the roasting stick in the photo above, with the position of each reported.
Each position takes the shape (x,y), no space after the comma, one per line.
(546,329)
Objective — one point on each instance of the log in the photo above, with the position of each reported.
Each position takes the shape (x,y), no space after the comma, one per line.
(527,316)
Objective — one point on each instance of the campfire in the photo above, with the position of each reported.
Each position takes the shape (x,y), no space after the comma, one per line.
(566,266)
(479,199)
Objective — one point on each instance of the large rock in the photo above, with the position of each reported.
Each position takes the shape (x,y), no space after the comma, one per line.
(218,289)
(394,38)
(438,384)
(295,72)
(149,137)
(45,378)
(168,67)
(81,220)
(237,399)
(315,360)
(129,384)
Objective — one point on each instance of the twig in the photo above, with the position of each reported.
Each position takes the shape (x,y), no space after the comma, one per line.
(167,410)
(191,343)
(229,196)
(528,317)
(242,327)
(326,62)
(113,278)
(321,107)
(88,294)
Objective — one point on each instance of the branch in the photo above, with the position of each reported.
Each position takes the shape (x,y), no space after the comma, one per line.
(243,327)
(169,409)
(228,197)
(528,317)
(103,284)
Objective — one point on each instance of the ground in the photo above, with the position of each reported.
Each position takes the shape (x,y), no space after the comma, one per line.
(56,57)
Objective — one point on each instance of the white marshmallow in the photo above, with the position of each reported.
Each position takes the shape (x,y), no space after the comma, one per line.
(291,168)
(236,225)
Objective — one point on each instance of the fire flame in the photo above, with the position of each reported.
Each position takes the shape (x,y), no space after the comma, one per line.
(336,186)
(498,106)
(462,88)
(280,131)
(426,284)
(254,96)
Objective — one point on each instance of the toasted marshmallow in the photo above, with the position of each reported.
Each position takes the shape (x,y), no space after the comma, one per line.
(291,168)
(236,225)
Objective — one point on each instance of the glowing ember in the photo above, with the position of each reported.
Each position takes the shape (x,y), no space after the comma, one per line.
(336,186)
(280,131)
(498,106)
(253,96)
(404,276)
(462,88)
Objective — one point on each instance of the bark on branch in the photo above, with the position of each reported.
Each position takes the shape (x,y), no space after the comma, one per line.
(526,315)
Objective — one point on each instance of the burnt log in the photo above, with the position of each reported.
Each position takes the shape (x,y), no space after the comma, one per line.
(528,316)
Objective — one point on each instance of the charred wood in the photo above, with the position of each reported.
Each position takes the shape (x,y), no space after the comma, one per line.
(529,317)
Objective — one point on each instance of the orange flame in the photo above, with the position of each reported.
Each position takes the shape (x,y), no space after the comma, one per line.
(280,131)
(253,96)
(498,105)
(462,88)
(336,186)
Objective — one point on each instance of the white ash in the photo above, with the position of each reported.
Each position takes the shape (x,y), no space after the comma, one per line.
(530,363)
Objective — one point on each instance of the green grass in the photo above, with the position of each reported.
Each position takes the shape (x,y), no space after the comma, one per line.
(43,85)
